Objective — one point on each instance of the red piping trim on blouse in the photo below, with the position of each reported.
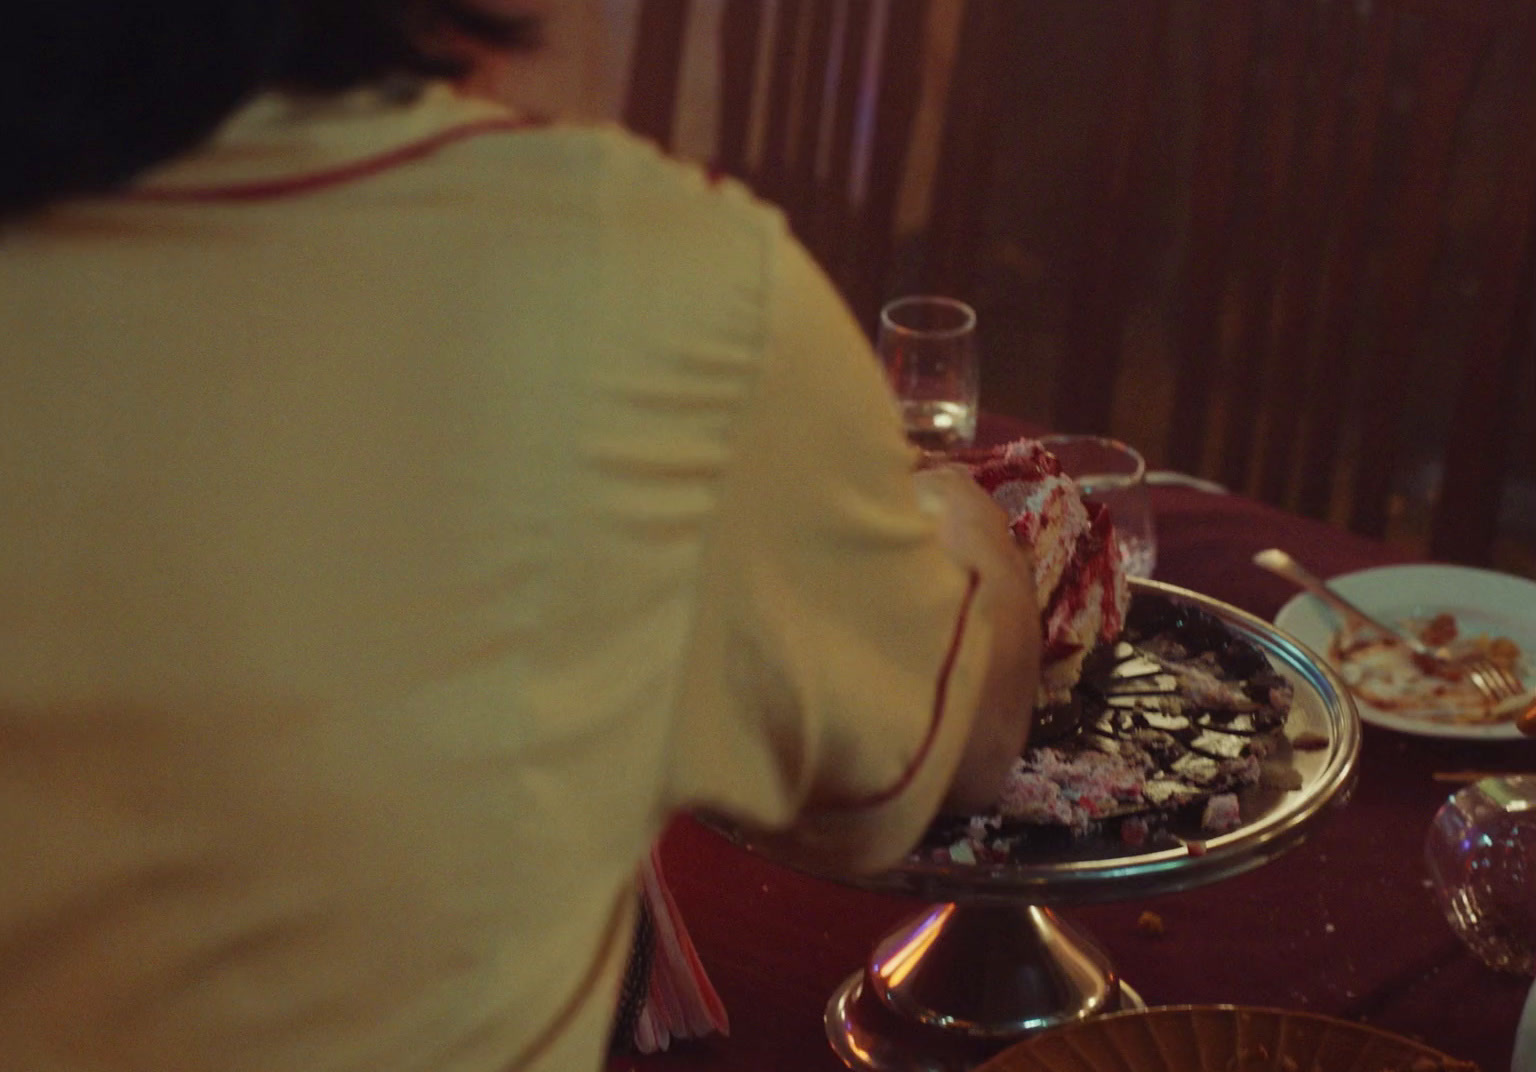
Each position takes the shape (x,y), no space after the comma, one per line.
(940,693)
(263,189)
(584,991)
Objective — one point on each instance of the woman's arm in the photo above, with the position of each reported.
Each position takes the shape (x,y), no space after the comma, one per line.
(973,529)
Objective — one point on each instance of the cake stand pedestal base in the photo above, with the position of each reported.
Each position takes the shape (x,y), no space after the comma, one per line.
(954,985)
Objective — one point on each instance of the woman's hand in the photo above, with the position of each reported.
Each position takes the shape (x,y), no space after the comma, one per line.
(974,530)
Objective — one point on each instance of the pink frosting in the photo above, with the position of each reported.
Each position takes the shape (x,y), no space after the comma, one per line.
(1079,579)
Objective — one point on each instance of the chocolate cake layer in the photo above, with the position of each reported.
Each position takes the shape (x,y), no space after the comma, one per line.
(1172,719)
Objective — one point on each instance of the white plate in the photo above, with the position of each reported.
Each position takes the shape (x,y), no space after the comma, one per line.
(1482,601)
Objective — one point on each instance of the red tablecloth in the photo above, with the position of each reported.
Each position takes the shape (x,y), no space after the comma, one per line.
(1343,925)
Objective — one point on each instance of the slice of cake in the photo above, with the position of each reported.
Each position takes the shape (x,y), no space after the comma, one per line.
(1079,580)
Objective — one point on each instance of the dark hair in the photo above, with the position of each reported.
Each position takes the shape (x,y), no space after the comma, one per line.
(93,92)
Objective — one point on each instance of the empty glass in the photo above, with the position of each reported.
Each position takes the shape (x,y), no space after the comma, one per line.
(1481,853)
(1114,474)
(928,346)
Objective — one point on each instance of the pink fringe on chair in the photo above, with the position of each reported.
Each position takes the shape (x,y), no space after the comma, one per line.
(681,1002)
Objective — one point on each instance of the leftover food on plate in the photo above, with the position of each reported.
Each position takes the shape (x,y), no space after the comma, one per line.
(1485,606)
(1169,725)
(1390,677)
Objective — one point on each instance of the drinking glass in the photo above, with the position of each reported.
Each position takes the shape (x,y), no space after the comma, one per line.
(1114,474)
(1481,854)
(928,346)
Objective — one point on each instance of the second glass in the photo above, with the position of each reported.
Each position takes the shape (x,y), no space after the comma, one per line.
(928,346)
(1481,853)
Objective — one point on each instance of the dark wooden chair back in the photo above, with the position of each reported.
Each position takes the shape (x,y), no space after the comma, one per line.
(816,108)
(1341,193)
(656,69)
(1334,247)
(816,111)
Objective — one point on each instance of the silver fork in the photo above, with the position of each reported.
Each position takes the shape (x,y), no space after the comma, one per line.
(1498,684)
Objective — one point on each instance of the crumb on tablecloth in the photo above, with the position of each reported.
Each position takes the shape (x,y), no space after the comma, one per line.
(1222,814)
(1436,1064)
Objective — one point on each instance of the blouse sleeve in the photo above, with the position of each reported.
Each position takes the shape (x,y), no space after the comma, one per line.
(834,668)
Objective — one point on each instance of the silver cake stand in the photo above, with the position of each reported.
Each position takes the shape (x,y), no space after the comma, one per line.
(991,963)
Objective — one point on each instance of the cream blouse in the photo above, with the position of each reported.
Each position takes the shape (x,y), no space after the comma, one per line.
(404,510)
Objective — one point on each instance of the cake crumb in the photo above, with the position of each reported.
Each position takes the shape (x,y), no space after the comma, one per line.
(1277,775)
(1151,923)
(1222,814)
